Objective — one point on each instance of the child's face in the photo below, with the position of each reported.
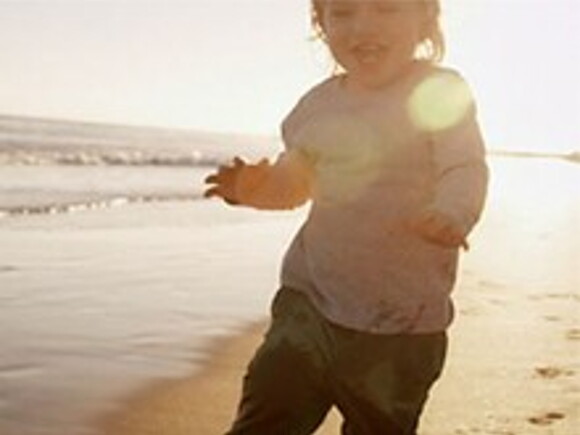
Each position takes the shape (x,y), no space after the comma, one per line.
(372,40)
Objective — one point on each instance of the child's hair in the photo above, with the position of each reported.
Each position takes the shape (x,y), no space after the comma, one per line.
(431,46)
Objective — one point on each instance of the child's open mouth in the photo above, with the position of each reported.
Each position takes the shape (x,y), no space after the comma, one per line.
(369,54)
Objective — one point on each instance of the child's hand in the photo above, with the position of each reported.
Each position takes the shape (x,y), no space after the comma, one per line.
(233,182)
(224,181)
(440,229)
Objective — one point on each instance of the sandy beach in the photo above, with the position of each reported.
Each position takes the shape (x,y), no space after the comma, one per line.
(140,320)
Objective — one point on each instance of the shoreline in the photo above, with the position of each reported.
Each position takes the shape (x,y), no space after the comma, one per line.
(179,405)
(202,403)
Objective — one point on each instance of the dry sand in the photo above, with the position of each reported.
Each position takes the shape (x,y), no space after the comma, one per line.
(514,360)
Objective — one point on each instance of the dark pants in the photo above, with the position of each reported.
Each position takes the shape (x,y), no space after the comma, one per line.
(306,365)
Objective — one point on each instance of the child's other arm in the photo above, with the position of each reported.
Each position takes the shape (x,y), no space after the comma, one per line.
(285,184)
(445,108)
(461,183)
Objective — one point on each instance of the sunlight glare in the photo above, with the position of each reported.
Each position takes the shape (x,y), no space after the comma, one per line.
(439,102)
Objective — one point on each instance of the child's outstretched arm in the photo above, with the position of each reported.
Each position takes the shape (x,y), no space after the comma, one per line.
(285,184)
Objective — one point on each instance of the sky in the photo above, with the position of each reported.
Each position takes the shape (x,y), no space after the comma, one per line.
(240,65)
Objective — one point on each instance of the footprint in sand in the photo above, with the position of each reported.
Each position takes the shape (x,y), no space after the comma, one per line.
(475,430)
(490,285)
(549,372)
(574,297)
(546,419)
(470,311)
(573,334)
(551,318)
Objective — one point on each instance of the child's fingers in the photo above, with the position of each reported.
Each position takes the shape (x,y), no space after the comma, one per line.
(211,179)
(437,228)
(441,239)
(224,181)
(230,201)
(449,237)
(223,174)
(216,192)
(238,161)
(210,193)
(217,176)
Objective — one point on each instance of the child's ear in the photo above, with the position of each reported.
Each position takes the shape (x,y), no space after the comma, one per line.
(321,31)
(317,22)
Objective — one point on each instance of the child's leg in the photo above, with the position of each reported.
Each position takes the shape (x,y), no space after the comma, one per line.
(284,390)
(382,382)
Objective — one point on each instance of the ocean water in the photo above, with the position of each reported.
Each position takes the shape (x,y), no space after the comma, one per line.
(111,265)
(49,166)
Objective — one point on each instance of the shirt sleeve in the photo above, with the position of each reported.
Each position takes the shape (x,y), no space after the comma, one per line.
(461,172)
(294,147)
(297,125)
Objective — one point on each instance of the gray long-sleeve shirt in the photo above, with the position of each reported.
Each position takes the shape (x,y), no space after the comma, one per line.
(379,160)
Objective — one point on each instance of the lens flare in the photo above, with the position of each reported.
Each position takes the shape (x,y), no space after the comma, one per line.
(348,152)
(439,102)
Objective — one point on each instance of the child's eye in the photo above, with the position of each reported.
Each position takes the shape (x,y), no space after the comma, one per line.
(341,12)
(341,8)
(387,10)
(389,7)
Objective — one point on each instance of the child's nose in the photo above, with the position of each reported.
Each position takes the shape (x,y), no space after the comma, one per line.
(366,24)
